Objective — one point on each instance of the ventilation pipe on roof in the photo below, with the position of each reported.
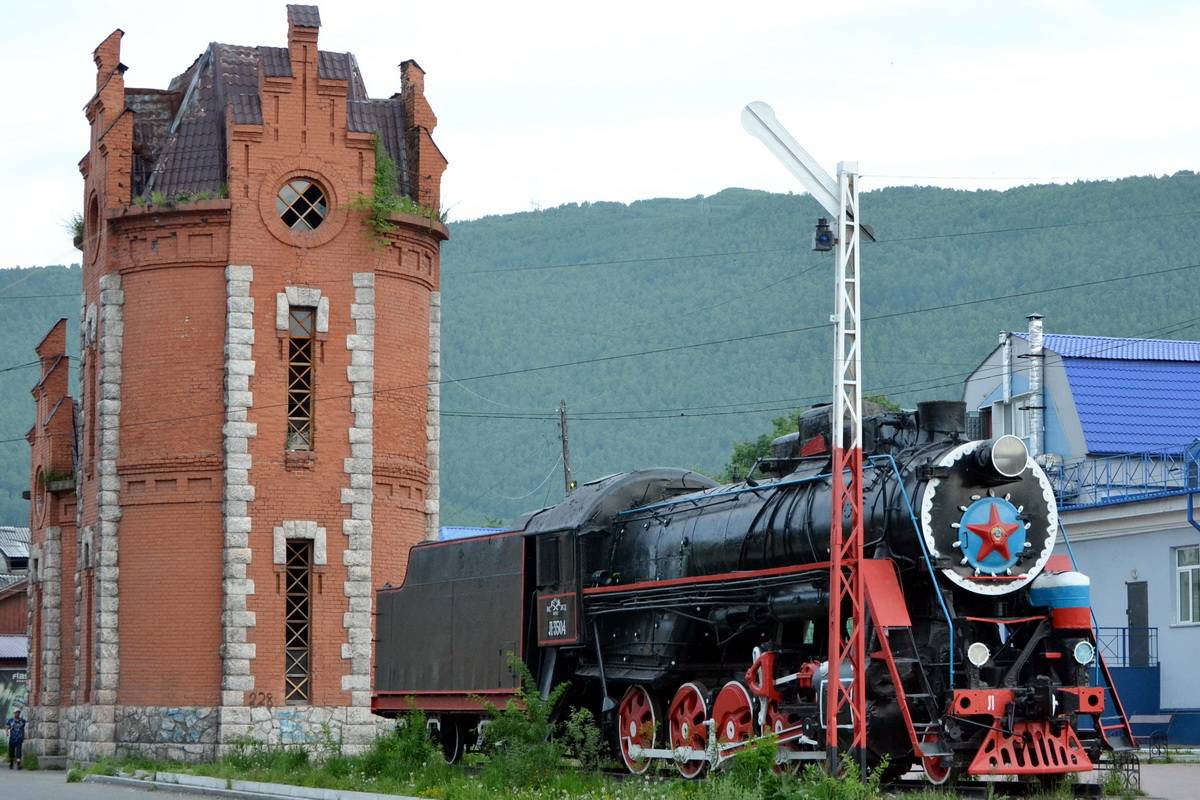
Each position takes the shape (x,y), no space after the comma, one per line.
(1005,367)
(1036,403)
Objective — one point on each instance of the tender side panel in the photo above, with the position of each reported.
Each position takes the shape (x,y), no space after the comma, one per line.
(451,625)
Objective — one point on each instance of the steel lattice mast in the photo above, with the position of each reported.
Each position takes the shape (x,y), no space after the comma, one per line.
(845,701)
(846,647)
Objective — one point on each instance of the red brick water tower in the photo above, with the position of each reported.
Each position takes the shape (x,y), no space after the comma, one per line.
(256,442)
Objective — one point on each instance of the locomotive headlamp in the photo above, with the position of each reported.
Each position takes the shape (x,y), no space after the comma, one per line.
(978,654)
(1084,652)
(1007,456)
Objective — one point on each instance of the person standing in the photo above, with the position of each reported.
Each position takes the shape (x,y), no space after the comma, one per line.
(16,738)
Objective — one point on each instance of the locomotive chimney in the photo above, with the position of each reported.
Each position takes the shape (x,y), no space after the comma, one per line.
(941,419)
(1035,404)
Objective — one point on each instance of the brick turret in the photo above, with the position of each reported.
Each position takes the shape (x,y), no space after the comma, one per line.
(243,484)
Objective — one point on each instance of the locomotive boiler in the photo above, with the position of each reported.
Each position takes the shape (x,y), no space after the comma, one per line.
(693,616)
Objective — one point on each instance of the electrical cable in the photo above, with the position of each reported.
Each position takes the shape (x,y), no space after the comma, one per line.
(692,345)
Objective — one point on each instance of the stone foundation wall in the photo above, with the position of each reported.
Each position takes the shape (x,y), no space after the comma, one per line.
(351,728)
(88,732)
(167,733)
(193,734)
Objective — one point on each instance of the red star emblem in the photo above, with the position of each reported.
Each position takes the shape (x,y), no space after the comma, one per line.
(994,533)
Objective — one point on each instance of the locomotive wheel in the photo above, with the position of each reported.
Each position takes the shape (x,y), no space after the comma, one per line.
(733,714)
(637,721)
(685,723)
(937,771)
(777,723)
(450,737)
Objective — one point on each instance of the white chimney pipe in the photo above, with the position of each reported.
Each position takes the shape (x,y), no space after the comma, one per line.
(1036,404)
(1005,367)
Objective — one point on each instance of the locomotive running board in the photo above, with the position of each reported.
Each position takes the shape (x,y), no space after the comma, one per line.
(889,612)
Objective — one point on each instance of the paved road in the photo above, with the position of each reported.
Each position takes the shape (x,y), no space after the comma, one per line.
(1171,781)
(1161,781)
(52,785)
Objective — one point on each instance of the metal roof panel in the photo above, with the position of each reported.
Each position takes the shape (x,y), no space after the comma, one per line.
(14,542)
(1111,347)
(14,646)
(1128,406)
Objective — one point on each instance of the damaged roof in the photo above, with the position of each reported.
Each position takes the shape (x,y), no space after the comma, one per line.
(179,142)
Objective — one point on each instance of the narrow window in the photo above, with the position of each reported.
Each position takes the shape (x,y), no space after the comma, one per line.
(36,656)
(86,649)
(297,632)
(1187,570)
(93,399)
(300,400)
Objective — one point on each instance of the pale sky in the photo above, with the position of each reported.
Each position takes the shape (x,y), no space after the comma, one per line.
(546,103)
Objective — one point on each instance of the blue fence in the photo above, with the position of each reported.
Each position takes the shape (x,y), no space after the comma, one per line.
(1128,647)
(1092,482)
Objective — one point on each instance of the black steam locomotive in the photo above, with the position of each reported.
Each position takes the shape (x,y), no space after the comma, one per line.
(693,616)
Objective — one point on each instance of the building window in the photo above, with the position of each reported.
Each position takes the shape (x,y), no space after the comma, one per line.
(301,204)
(297,626)
(300,399)
(1187,578)
(85,646)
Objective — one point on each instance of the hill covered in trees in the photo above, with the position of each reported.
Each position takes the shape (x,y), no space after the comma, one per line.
(674,328)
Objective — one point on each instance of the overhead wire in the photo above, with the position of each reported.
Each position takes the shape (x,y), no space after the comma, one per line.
(692,345)
(910,387)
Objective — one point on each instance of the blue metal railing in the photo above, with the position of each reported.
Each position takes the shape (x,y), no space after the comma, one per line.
(1128,647)
(1094,482)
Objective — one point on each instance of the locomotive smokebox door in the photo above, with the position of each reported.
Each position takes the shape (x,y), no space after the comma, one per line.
(557,590)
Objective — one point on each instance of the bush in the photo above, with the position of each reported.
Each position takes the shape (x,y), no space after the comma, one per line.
(407,754)
(30,761)
(582,740)
(519,739)
(755,766)
(384,202)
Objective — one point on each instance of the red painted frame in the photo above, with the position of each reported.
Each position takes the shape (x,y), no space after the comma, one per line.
(720,577)
(846,587)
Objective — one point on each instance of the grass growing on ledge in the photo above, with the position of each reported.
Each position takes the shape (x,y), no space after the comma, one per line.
(384,202)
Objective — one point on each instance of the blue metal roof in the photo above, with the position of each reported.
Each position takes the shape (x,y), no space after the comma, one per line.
(1121,349)
(447,532)
(1132,395)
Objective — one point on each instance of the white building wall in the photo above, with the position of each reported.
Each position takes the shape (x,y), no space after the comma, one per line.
(1119,544)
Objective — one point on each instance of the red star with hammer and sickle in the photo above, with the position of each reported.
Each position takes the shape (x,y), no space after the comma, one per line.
(994,533)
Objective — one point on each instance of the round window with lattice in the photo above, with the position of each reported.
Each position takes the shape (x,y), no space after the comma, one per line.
(301,204)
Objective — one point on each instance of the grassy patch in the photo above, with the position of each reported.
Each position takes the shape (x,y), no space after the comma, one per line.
(526,755)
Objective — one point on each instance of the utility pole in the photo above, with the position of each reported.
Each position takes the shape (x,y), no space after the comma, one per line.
(568,482)
(846,647)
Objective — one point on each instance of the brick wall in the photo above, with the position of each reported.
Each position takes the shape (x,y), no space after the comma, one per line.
(184,473)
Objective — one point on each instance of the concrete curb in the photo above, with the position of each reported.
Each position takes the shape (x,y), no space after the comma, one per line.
(238,790)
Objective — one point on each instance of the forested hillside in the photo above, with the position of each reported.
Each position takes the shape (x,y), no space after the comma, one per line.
(733,269)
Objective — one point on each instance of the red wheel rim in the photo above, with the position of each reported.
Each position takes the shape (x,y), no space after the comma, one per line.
(777,723)
(733,714)
(936,772)
(685,723)
(637,722)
